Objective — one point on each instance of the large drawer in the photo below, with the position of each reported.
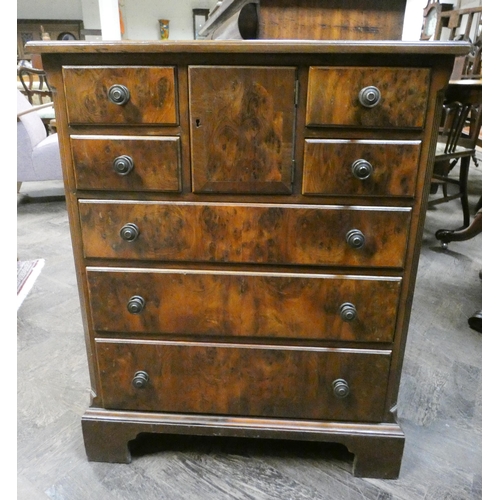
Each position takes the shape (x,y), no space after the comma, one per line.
(360,167)
(126,163)
(345,96)
(236,304)
(135,95)
(245,233)
(245,380)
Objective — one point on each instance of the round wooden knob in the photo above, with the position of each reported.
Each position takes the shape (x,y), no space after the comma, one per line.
(348,311)
(129,232)
(118,94)
(340,388)
(123,165)
(136,304)
(362,169)
(140,380)
(369,96)
(355,238)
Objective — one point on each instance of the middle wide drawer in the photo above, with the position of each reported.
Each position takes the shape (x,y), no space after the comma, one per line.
(209,304)
(258,233)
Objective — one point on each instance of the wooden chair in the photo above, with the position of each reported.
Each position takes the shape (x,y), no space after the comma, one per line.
(457,141)
(34,85)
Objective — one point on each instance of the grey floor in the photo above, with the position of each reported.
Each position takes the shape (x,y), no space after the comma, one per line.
(440,403)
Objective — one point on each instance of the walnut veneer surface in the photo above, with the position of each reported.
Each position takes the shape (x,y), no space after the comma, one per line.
(246,221)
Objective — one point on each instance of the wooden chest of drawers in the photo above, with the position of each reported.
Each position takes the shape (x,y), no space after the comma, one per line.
(246,221)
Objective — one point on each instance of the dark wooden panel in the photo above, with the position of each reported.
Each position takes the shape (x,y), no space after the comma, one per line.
(328,20)
(332,96)
(243,380)
(156,162)
(328,167)
(231,304)
(258,233)
(153,98)
(242,129)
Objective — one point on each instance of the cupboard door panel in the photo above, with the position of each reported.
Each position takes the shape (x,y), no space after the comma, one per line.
(242,128)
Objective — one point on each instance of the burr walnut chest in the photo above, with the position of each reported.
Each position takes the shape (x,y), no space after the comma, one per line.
(246,219)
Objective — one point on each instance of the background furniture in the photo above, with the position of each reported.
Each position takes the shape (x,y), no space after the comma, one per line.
(246,221)
(31,29)
(38,156)
(458,139)
(441,21)
(32,82)
(306,19)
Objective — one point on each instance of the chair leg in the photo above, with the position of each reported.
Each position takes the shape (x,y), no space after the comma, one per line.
(463,183)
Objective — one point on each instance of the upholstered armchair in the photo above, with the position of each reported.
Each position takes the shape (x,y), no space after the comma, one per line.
(38,157)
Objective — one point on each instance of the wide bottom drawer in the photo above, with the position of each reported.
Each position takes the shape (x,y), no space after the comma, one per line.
(251,380)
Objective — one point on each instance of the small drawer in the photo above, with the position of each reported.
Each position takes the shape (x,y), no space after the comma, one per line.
(360,167)
(317,235)
(135,95)
(237,304)
(367,97)
(250,380)
(126,163)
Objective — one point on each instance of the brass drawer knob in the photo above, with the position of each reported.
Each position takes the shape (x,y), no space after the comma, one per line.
(123,165)
(118,94)
(340,388)
(355,238)
(362,169)
(369,97)
(136,304)
(348,311)
(140,380)
(129,232)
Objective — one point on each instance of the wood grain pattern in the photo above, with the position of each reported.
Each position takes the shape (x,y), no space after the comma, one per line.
(234,304)
(153,94)
(242,128)
(332,96)
(327,20)
(156,163)
(243,380)
(327,167)
(257,233)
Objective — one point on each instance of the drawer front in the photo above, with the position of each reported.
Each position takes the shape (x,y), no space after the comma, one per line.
(237,233)
(121,95)
(204,303)
(344,96)
(242,128)
(126,163)
(243,380)
(360,168)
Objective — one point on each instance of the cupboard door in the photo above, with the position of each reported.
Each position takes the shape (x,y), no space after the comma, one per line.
(242,128)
